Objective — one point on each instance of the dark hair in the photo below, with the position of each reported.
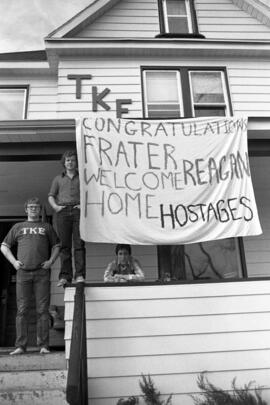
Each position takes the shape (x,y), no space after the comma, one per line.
(32,200)
(67,154)
(123,247)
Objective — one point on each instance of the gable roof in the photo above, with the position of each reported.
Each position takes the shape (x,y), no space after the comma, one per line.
(95,9)
(258,9)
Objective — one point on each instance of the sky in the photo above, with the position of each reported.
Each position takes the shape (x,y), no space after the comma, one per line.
(25,23)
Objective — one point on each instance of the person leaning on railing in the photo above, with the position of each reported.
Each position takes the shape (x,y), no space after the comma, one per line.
(124,268)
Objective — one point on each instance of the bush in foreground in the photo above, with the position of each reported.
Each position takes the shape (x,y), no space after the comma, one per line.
(212,395)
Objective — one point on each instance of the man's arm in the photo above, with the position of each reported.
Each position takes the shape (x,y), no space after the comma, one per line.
(10,257)
(54,205)
(54,254)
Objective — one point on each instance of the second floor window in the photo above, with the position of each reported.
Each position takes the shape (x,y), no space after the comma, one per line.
(177,16)
(178,19)
(13,103)
(185,92)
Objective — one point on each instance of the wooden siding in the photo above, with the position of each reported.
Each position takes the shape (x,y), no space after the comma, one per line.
(174,332)
(249,83)
(224,20)
(127,19)
(139,19)
(42,100)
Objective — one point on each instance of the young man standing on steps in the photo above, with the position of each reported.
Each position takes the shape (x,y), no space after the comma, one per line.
(37,248)
(64,198)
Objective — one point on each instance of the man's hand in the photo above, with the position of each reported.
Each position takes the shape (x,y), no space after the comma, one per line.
(18,265)
(46,265)
(120,278)
(59,208)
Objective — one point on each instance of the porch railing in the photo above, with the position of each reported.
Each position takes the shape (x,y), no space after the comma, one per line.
(77,391)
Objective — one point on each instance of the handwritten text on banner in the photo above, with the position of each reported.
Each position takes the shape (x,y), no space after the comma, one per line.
(165,181)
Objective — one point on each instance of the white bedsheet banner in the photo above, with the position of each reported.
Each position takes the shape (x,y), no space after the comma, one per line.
(165,181)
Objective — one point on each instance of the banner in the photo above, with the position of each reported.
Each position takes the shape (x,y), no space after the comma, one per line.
(165,181)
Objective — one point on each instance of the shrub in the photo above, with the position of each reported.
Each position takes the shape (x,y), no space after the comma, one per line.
(150,393)
(213,395)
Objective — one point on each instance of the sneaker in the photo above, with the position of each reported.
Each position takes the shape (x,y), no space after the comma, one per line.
(62,282)
(80,279)
(18,350)
(44,350)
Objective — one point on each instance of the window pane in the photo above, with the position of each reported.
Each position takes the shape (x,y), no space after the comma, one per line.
(207,87)
(217,259)
(162,94)
(213,260)
(176,7)
(12,104)
(210,112)
(161,87)
(164,112)
(177,25)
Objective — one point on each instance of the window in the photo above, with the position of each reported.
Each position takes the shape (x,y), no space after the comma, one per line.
(185,92)
(193,92)
(208,93)
(178,18)
(13,103)
(163,94)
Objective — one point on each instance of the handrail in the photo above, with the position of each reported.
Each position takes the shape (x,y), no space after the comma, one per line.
(77,392)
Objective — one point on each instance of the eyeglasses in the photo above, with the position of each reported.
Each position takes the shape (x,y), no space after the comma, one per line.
(33,207)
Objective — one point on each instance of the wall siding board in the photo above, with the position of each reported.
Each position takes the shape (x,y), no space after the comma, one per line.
(176,384)
(157,326)
(140,19)
(248,81)
(128,334)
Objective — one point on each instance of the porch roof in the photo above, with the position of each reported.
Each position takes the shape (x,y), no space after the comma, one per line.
(47,139)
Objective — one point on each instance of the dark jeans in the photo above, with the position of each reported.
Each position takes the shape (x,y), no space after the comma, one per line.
(68,227)
(28,283)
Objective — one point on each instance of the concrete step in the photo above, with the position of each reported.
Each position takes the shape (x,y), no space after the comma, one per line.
(45,379)
(32,378)
(30,397)
(32,360)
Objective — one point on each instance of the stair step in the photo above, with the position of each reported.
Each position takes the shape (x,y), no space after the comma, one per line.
(37,380)
(33,361)
(36,397)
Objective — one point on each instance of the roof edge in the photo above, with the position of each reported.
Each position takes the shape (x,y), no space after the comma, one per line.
(84,17)
(39,55)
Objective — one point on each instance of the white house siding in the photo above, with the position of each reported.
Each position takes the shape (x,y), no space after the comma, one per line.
(249,83)
(139,18)
(42,100)
(224,20)
(174,332)
(127,19)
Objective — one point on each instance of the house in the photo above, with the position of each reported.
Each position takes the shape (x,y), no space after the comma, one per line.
(152,59)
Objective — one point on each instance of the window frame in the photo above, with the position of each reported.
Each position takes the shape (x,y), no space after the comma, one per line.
(187,108)
(191,18)
(210,106)
(179,88)
(26,88)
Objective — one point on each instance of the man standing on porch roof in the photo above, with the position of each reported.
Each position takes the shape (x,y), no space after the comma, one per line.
(64,198)
(37,248)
